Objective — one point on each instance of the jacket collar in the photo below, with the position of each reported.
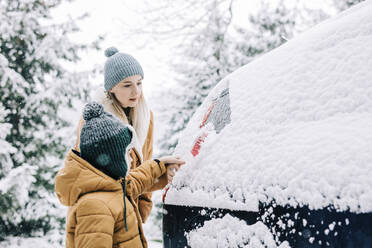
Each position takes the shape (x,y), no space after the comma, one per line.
(78,177)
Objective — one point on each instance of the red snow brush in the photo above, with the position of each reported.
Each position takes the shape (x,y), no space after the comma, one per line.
(165,193)
(207,114)
(197,144)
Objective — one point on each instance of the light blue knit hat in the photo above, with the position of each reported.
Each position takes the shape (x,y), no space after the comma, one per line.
(118,67)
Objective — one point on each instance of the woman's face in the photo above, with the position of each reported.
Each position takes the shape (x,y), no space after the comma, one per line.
(128,91)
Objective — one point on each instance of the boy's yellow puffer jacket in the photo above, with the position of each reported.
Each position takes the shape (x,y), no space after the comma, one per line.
(96,214)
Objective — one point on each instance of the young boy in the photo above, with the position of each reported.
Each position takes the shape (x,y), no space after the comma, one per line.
(99,188)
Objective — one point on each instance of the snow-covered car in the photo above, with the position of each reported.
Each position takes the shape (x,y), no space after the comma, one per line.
(280,152)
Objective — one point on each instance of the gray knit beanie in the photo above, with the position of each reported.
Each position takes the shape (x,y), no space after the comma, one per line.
(118,67)
(104,140)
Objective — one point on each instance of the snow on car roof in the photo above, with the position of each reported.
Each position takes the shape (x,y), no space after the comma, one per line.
(300,129)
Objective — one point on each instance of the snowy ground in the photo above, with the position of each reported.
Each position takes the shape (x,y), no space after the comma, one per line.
(42,243)
(155,244)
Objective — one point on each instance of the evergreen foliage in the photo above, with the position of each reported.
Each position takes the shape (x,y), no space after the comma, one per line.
(36,90)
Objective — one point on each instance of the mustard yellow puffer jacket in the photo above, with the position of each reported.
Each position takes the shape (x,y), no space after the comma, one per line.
(96,214)
(143,201)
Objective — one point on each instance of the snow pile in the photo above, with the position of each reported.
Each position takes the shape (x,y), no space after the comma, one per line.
(301,129)
(231,232)
(44,241)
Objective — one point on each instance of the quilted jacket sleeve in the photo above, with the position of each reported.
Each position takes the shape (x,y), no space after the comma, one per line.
(160,183)
(142,178)
(94,225)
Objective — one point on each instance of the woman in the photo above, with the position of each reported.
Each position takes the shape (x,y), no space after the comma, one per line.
(123,97)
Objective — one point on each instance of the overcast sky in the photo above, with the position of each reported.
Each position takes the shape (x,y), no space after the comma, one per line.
(112,17)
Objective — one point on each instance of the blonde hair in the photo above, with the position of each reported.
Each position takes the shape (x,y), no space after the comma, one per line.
(120,111)
(138,114)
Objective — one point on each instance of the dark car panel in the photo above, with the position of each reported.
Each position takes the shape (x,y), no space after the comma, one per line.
(300,227)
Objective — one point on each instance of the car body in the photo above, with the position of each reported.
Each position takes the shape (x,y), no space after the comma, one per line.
(287,141)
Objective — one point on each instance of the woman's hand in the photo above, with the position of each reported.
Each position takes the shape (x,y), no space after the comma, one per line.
(173,163)
(171,171)
(172,160)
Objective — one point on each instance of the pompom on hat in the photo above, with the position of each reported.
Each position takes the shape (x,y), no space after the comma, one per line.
(111,51)
(118,67)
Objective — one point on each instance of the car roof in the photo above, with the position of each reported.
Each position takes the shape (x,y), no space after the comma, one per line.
(299,126)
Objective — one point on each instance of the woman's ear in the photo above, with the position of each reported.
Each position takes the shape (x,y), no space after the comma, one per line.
(112,90)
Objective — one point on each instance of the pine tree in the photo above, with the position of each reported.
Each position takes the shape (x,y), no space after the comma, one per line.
(35,91)
(205,61)
(271,26)
(6,147)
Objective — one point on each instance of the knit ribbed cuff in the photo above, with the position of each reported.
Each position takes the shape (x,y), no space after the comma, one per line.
(161,165)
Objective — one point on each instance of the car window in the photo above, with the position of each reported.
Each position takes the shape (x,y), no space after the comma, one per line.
(220,115)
